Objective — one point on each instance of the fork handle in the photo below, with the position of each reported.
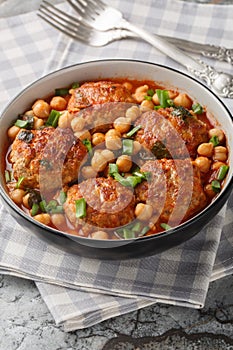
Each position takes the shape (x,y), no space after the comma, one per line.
(162,45)
(221,83)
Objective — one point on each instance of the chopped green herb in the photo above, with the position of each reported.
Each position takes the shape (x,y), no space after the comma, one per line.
(53,118)
(165,226)
(163,96)
(112,169)
(197,108)
(35,209)
(146,175)
(42,205)
(215,141)
(21,123)
(180,111)
(57,210)
(133,181)
(25,136)
(7,176)
(20,181)
(128,234)
(80,205)
(222,172)
(216,186)
(62,92)
(170,102)
(122,180)
(157,107)
(150,92)
(88,145)
(51,205)
(130,181)
(160,150)
(62,197)
(75,85)
(144,231)
(34,197)
(148,98)
(136,227)
(133,131)
(25,121)
(127,146)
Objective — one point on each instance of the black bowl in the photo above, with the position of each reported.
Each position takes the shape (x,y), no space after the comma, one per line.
(130,248)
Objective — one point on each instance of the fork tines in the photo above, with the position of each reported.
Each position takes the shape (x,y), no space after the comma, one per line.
(62,21)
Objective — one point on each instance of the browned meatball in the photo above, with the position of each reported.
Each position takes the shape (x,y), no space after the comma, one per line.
(175,190)
(92,93)
(46,158)
(168,134)
(101,117)
(109,204)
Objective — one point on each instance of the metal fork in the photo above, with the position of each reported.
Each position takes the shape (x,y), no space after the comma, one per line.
(98,15)
(77,30)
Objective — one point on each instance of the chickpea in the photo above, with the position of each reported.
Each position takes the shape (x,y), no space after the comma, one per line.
(112,133)
(65,120)
(98,162)
(108,155)
(13,132)
(209,191)
(88,172)
(78,123)
(203,163)
(43,218)
(113,143)
(217,165)
(128,85)
(100,235)
(25,201)
(146,105)
(143,211)
(98,138)
(58,220)
(58,103)
(220,153)
(83,135)
(124,163)
(17,195)
(133,113)
(122,124)
(183,100)
(38,123)
(41,109)
(140,93)
(205,149)
(217,132)
(30,112)
(136,147)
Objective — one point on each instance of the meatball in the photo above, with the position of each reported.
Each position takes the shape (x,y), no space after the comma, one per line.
(46,158)
(100,118)
(108,203)
(168,134)
(92,93)
(174,191)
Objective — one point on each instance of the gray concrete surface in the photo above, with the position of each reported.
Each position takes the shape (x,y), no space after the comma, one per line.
(26,323)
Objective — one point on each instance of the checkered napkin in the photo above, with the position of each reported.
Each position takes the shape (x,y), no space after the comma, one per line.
(78,291)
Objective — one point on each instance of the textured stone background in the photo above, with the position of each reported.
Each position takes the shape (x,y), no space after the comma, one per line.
(26,323)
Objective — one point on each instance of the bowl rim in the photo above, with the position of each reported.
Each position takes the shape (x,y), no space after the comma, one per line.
(169,232)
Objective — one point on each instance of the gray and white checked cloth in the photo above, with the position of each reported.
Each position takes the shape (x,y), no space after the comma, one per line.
(78,291)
